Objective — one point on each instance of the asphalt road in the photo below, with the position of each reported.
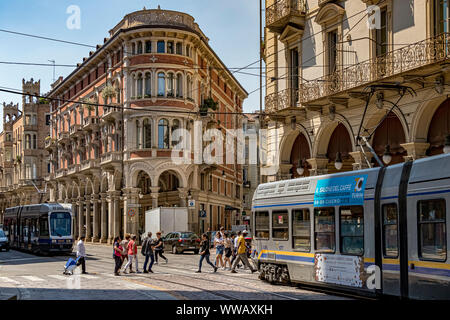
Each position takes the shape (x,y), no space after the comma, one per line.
(30,277)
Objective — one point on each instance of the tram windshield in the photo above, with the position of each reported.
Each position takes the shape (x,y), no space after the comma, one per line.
(2,234)
(60,224)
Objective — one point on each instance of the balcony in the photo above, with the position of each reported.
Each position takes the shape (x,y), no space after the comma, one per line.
(30,127)
(75,130)
(281,100)
(63,137)
(417,59)
(111,113)
(91,123)
(284,12)
(50,144)
(111,159)
(49,177)
(90,164)
(60,173)
(73,169)
(31,152)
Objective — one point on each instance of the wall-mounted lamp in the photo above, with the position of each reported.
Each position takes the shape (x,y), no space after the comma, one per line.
(223,174)
(387,156)
(447,144)
(338,163)
(300,167)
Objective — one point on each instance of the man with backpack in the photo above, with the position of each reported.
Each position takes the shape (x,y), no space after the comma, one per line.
(147,252)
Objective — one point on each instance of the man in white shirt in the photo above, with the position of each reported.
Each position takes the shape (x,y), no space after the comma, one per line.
(81,254)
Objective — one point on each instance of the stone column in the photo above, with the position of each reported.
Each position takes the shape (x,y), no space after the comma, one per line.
(87,203)
(75,220)
(96,225)
(81,230)
(110,204)
(131,202)
(116,215)
(154,194)
(360,161)
(284,171)
(104,226)
(319,166)
(415,150)
(183,194)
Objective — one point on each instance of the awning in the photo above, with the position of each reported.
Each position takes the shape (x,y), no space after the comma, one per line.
(227,207)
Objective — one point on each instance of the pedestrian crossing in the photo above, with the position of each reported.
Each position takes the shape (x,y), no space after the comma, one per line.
(44,278)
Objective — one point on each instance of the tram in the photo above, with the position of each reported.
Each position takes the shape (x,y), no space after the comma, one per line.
(373,232)
(41,228)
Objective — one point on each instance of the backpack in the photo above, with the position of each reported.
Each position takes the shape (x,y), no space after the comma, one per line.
(144,247)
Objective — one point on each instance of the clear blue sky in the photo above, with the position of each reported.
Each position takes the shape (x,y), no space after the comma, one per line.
(232,27)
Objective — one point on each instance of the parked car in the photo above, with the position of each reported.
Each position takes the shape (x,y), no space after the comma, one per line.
(4,242)
(179,242)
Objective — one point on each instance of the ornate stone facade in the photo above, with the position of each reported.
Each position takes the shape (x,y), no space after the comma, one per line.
(111,144)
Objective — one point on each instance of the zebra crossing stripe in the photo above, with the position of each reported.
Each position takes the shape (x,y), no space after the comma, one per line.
(33,278)
(58,277)
(6,279)
(86,276)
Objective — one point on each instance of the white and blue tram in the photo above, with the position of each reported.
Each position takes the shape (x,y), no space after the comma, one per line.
(379,231)
(41,228)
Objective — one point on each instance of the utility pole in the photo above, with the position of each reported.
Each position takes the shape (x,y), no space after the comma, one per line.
(260,94)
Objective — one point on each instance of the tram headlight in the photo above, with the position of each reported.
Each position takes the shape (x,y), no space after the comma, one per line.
(53,241)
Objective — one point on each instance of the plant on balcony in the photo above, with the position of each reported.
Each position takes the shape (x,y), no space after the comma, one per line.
(43,101)
(19,159)
(147,96)
(108,92)
(208,103)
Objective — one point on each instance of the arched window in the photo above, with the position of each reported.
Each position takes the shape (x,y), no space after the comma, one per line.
(139,48)
(163,134)
(161,84)
(139,86)
(188,50)
(147,133)
(179,85)
(170,85)
(138,135)
(189,87)
(148,46)
(175,126)
(34,141)
(170,47)
(27,141)
(133,48)
(161,46)
(179,48)
(148,85)
(133,87)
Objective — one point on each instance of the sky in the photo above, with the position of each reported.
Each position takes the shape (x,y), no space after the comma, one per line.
(232,27)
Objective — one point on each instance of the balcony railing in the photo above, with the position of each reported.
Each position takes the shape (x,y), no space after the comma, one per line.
(416,55)
(89,164)
(60,173)
(282,12)
(110,157)
(280,100)
(50,143)
(63,136)
(394,63)
(75,129)
(110,113)
(90,123)
(73,169)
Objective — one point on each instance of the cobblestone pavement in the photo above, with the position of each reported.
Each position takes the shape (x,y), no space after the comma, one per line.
(41,278)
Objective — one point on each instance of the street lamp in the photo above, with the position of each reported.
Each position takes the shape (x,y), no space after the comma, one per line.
(387,156)
(300,167)
(338,163)
(447,144)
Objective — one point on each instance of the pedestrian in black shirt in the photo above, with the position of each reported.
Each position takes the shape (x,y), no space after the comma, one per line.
(159,247)
(204,252)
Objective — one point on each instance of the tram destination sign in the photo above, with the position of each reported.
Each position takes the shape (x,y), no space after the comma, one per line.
(340,191)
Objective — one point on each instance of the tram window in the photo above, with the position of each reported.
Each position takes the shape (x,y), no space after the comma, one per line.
(301,230)
(262,225)
(352,230)
(390,230)
(280,225)
(324,230)
(431,225)
(43,227)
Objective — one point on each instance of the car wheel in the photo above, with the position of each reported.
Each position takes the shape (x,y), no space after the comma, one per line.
(174,250)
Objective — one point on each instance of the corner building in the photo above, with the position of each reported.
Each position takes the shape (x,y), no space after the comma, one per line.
(113,162)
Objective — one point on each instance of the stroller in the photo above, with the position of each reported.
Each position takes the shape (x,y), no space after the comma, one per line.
(71,264)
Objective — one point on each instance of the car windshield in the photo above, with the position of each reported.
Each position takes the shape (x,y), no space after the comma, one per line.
(188,235)
(2,234)
(60,224)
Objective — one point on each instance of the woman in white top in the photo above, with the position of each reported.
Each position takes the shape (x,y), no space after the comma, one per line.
(218,243)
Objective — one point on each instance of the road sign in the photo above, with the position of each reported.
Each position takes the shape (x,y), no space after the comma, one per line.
(202,213)
(191,203)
